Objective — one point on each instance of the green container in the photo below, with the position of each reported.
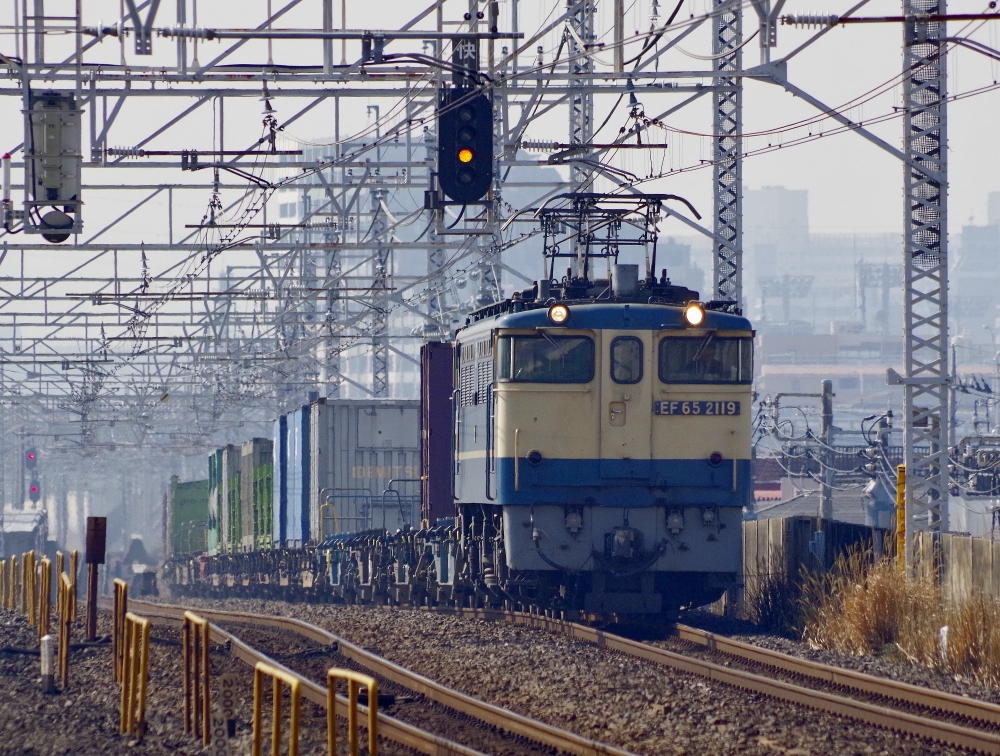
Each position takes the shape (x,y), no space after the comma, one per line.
(187,516)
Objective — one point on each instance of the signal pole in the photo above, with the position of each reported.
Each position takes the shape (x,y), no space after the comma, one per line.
(826,434)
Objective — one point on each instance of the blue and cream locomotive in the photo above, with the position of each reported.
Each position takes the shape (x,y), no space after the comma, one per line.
(602,443)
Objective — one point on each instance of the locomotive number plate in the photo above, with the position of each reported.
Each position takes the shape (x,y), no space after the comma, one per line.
(696,408)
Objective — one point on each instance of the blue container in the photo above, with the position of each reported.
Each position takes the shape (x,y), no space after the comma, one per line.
(280,499)
(297,512)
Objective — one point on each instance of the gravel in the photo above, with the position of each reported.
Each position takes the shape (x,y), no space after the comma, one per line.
(84,719)
(611,697)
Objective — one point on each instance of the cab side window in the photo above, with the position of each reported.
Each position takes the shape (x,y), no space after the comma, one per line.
(706,359)
(545,359)
(626,360)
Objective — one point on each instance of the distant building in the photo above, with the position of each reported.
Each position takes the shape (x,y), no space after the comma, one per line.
(974,297)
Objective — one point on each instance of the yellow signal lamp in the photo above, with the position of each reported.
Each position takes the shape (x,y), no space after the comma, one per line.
(465,155)
(558,314)
(694,313)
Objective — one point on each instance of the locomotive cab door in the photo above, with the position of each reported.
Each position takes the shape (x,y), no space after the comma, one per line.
(626,373)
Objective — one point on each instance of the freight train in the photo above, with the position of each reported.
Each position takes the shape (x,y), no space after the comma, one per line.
(583,446)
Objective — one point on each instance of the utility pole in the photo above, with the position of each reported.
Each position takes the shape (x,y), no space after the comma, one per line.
(826,454)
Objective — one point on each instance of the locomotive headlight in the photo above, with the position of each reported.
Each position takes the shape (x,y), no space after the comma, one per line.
(694,313)
(558,314)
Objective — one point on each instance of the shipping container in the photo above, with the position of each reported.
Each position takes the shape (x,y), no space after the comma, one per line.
(263,490)
(279,499)
(437,377)
(365,465)
(255,490)
(214,499)
(297,477)
(231,526)
(187,516)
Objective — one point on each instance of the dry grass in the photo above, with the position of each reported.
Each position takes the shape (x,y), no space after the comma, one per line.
(771,601)
(866,606)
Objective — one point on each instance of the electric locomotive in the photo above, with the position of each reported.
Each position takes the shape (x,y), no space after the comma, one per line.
(602,446)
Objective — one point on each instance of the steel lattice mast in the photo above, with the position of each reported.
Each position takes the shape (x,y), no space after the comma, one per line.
(925,268)
(580,32)
(727,172)
(380,306)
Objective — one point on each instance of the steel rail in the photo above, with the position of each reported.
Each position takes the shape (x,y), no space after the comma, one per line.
(540,732)
(389,727)
(899,721)
(939,700)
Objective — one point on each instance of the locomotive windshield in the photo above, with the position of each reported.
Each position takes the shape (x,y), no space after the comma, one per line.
(545,359)
(706,359)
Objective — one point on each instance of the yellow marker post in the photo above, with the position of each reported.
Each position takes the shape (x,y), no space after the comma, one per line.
(118,627)
(65,626)
(25,581)
(60,563)
(74,559)
(278,677)
(44,599)
(135,676)
(354,681)
(901,516)
(12,595)
(197,705)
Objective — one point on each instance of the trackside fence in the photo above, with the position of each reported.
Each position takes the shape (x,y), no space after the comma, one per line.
(278,677)
(354,681)
(963,566)
(44,598)
(197,704)
(118,628)
(65,627)
(135,676)
(281,677)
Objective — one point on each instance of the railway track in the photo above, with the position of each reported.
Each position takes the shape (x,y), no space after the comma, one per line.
(548,737)
(983,739)
(975,724)
(960,707)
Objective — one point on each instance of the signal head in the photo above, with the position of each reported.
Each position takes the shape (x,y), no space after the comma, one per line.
(465,145)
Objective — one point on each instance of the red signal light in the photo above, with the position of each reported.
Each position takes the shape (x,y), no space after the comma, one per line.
(34,489)
(31,455)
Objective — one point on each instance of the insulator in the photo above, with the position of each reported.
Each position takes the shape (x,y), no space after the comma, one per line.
(126,152)
(537,145)
(809,21)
